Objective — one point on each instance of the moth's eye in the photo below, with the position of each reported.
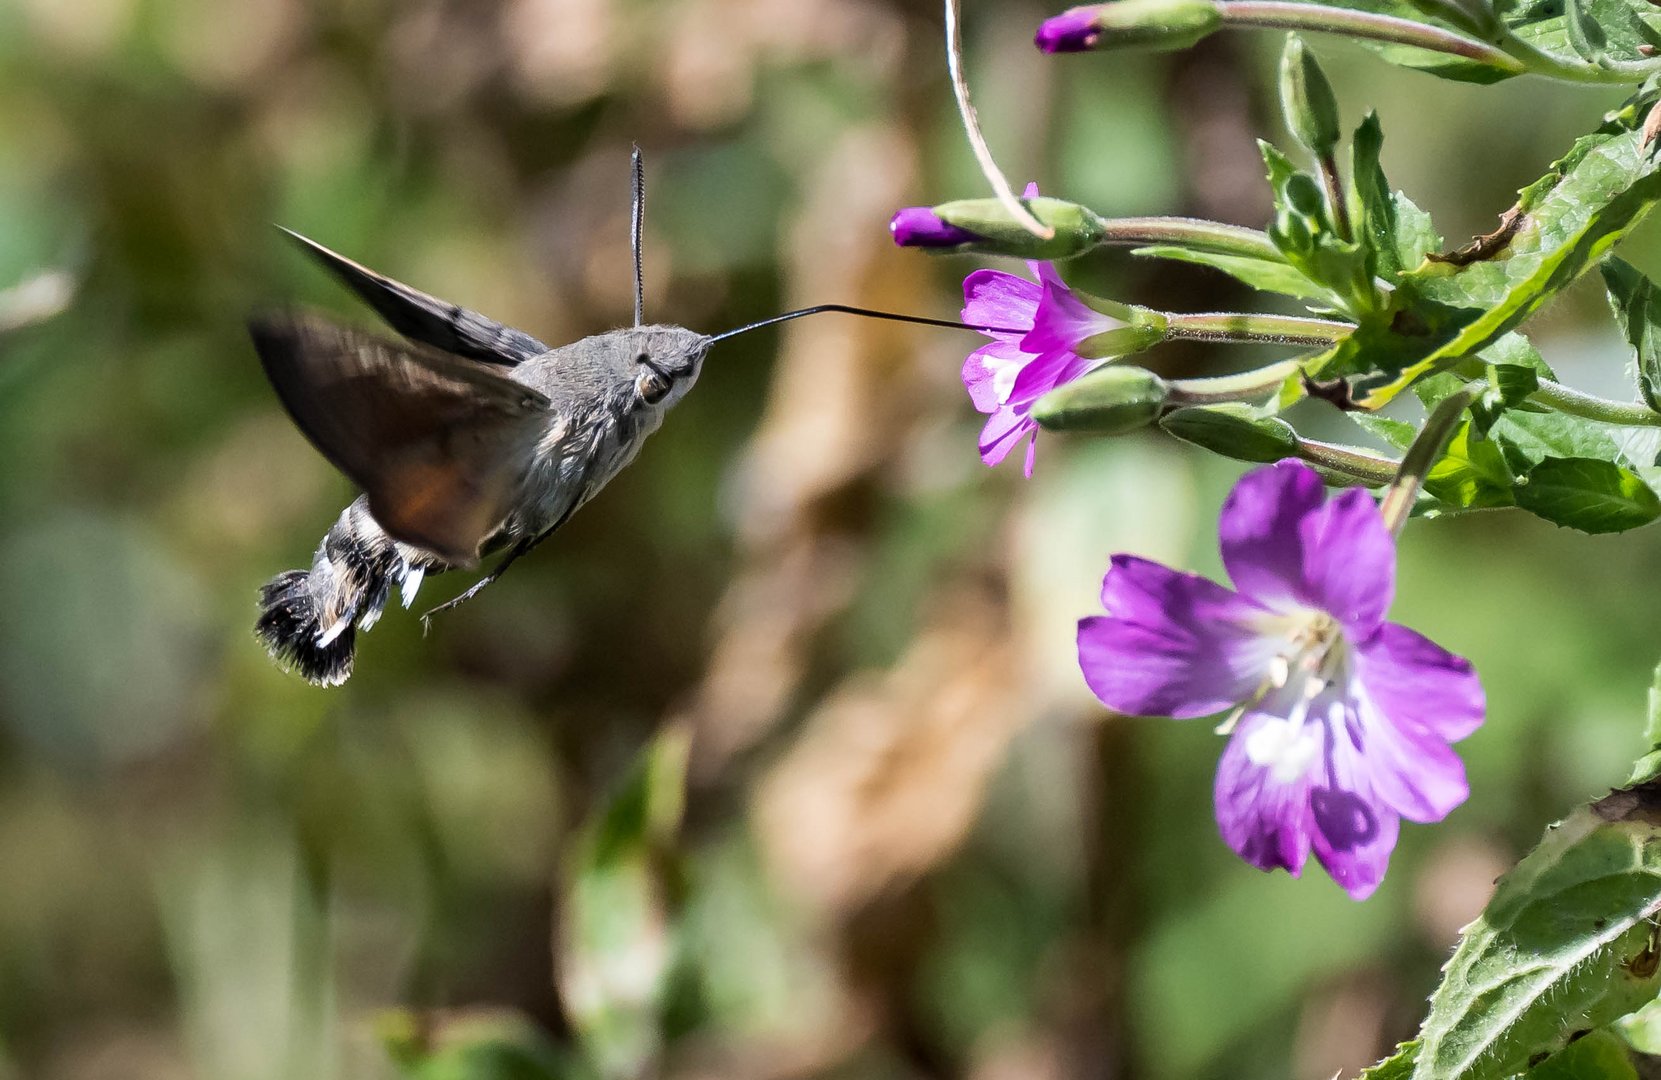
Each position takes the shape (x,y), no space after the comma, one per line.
(652,385)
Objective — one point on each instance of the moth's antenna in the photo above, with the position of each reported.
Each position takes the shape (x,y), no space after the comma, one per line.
(637,222)
(869,314)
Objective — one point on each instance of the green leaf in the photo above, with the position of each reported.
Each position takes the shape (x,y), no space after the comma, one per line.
(1642,1029)
(1587,494)
(1529,438)
(1398,433)
(1516,349)
(1562,224)
(1509,385)
(1471,473)
(1601,33)
(1270,275)
(1564,946)
(1399,233)
(1638,310)
(1398,1066)
(1440,64)
(1604,30)
(1235,430)
(617,926)
(1600,1055)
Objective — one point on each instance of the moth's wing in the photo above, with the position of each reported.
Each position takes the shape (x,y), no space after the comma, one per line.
(424,318)
(439,443)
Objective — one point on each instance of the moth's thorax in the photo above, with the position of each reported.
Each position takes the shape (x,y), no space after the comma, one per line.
(599,418)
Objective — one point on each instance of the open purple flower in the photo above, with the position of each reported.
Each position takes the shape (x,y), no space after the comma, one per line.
(1038,352)
(1342,721)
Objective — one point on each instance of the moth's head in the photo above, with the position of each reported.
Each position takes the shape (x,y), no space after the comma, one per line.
(665,362)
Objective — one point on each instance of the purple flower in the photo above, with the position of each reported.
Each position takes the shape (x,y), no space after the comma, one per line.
(919,226)
(1005,377)
(1071,31)
(1342,721)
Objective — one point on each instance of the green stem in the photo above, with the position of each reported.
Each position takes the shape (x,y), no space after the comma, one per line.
(1371,469)
(1241,328)
(1335,196)
(1195,233)
(1290,15)
(1427,447)
(1576,403)
(1244,386)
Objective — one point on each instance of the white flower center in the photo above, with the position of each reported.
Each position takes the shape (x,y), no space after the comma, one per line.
(1284,747)
(1313,658)
(1314,655)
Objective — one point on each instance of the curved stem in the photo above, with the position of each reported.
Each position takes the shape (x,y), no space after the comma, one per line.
(1577,403)
(977,141)
(1239,328)
(1290,15)
(1371,469)
(1427,447)
(1195,233)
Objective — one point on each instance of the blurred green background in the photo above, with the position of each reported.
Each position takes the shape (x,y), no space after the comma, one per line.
(912,845)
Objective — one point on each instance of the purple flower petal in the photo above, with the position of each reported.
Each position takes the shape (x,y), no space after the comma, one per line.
(1355,830)
(1349,562)
(1044,373)
(1071,31)
(1260,530)
(1413,772)
(1062,320)
(1419,685)
(1003,430)
(982,367)
(1265,819)
(1172,644)
(919,226)
(1284,547)
(996,298)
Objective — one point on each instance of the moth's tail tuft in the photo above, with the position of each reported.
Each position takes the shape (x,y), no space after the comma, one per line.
(309,619)
(290,627)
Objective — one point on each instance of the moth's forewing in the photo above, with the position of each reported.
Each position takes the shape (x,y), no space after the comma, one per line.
(440,444)
(427,319)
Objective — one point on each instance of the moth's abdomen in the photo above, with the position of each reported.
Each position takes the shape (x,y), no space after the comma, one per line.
(309,619)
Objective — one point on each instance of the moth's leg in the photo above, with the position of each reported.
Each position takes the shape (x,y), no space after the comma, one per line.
(495,572)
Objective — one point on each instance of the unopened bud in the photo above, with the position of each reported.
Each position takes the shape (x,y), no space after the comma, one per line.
(1109,401)
(1156,24)
(992,230)
(918,226)
(1307,100)
(1234,430)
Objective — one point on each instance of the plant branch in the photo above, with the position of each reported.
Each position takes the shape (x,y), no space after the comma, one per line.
(977,141)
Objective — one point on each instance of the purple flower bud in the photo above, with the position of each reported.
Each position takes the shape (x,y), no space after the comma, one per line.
(1071,31)
(919,226)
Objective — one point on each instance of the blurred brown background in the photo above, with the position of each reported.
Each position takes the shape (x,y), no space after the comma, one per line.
(913,846)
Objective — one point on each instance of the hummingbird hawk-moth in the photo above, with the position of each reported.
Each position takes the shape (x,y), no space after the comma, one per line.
(467,438)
